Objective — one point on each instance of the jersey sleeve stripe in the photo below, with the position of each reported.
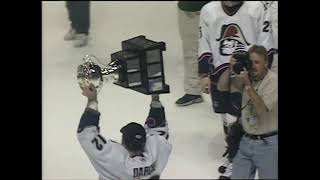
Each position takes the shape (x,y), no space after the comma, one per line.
(220,68)
(204,56)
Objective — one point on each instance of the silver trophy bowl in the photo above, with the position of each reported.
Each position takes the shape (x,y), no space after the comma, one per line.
(90,72)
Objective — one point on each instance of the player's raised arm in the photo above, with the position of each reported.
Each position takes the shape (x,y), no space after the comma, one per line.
(88,129)
(91,115)
(156,122)
(104,154)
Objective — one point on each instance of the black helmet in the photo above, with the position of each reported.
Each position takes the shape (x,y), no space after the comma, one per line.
(133,136)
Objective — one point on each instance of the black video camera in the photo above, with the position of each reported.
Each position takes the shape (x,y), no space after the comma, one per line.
(242,61)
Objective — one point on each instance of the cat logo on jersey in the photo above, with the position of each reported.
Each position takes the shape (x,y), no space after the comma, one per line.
(231,39)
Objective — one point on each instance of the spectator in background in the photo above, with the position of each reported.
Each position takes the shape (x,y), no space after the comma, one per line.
(188,19)
(79,16)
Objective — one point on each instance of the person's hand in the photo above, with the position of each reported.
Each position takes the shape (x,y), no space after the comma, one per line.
(90,92)
(244,77)
(205,84)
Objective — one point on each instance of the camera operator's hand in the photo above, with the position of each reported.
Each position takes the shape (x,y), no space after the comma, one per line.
(205,84)
(90,92)
(244,76)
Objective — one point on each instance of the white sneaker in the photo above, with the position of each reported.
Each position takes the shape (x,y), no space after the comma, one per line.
(70,35)
(227,174)
(80,40)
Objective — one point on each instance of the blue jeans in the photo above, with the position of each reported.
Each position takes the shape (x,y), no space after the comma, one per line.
(256,155)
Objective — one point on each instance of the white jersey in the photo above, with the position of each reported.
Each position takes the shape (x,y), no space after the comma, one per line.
(272,7)
(113,162)
(274,19)
(221,34)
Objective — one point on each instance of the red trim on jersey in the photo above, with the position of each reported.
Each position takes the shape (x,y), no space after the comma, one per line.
(206,54)
(221,67)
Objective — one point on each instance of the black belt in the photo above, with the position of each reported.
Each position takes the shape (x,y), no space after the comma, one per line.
(261,136)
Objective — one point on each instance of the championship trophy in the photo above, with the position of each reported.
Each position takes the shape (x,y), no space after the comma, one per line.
(138,66)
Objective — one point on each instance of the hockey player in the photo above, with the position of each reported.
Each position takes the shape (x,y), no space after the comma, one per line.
(226,27)
(143,152)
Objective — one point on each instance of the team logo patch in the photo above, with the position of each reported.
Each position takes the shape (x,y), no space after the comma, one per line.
(231,39)
(151,122)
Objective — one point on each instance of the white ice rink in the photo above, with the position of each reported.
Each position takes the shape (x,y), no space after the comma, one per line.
(195,131)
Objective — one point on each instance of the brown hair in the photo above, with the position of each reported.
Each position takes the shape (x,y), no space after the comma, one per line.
(261,50)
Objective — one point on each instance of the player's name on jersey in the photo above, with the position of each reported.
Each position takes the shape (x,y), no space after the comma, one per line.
(143,171)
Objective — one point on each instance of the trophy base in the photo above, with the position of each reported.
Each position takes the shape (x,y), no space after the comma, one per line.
(143,90)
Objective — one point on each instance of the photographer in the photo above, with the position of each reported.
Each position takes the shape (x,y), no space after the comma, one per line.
(225,27)
(258,149)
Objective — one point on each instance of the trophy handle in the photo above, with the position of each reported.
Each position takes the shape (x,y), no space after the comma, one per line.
(112,67)
(109,69)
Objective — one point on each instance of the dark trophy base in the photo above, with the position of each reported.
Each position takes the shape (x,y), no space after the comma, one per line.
(141,62)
